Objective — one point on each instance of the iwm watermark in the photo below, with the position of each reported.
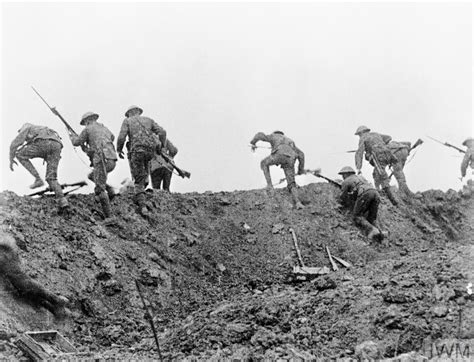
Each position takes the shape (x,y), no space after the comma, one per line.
(457,349)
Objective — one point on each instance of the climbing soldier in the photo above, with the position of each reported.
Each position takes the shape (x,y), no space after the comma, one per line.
(40,142)
(401,151)
(145,138)
(100,143)
(284,153)
(374,145)
(160,171)
(468,159)
(358,195)
(10,270)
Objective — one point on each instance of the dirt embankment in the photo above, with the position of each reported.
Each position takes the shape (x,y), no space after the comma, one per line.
(216,270)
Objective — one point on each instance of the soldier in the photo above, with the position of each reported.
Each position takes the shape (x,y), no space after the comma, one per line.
(284,153)
(10,270)
(160,171)
(378,154)
(142,133)
(363,199)
(468,159)
(40,142)
(401,151)
(100,142)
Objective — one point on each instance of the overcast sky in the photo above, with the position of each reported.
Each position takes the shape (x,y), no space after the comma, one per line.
(215,74)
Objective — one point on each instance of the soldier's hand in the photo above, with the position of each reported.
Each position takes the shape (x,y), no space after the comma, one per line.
(359,172)
(300,172)
(253,148)
(12,162)
(53,109)
(121,155)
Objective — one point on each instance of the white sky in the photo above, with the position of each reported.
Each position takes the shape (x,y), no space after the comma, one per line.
(214,74)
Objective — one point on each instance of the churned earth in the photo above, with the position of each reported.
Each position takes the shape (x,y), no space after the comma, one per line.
(216,269)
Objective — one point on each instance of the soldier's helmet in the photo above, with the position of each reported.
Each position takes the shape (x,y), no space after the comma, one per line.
(88,115)
(346,169)
(362,129)
(468,141)
(278,132)
(26,125)
(131,108)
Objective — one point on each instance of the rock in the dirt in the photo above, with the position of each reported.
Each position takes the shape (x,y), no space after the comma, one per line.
(367,350)
(323,283)
(264,337)
(111,287)
(277,228)
(439,311)
(221,267)
(154,256)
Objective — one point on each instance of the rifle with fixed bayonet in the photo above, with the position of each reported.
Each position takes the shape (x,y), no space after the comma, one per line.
(331,181)
(180,171)
(68,126)
(448,145)
(78,185)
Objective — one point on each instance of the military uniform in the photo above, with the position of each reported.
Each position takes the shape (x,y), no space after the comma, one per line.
(400,150)
(364,200)
(10,270)
(160,171)
(102,153)
(284,153)
(142,133)
(468,159)
(40,142)
(374,145)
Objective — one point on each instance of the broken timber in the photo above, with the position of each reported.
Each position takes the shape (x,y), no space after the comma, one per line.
(333,263)
(303,270)
(46,345)
(342,261)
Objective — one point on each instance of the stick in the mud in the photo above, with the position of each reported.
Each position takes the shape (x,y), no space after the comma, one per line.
(298,252)
(342,261)
(150,319)
(333,263)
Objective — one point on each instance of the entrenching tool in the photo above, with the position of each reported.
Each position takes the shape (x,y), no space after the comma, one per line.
(77,186)
(302,271)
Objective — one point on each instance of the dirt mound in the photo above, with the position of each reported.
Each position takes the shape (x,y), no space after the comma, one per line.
(216,269)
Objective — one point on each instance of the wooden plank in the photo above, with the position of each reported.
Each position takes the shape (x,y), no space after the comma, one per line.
(295,242)
(342,261)
(311,270)
(333,263)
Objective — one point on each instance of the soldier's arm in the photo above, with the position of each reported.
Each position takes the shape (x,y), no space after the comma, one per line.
(172,149)
(359,153)
(346,189)
(122,136)
(260,136)
(17,142)
(465,162)
(300,157)
(81,139)
(160,131)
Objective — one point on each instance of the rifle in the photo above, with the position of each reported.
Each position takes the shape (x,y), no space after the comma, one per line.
(313,172)
(169,160)
(63,186)
(149,318)
(448,145)
(68,126)
(331,181)
(418,142)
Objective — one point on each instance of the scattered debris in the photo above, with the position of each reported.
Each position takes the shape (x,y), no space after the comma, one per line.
(46,345)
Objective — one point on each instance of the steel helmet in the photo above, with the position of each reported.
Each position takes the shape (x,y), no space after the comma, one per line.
(346,169)
(278,132)
(133,107)
(467,141)
(362,129)
(88,115)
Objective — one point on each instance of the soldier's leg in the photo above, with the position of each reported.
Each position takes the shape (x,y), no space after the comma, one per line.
(167,179)
(289,169)
(24,155)
(157,178)
(265,166)
(377,181)
(139,162)
(400,176)
(361,208)
(52,163)
(109,167)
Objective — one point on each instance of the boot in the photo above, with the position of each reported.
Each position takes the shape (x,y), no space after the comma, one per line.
(38,183)
(140,200)
(110,192)
(296,200)
(390,195)
(374,234)
(63,207)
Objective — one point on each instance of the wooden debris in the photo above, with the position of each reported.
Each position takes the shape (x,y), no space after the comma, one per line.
(333,263)
(298,252)
(342,261)
(311,270)
(46,345)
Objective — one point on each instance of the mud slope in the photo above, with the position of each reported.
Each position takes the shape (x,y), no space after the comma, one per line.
(216,268)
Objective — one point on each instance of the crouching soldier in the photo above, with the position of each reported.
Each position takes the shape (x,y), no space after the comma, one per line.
(100,143)
(145,137)
(40,142)
(284,153)
(11,271)
(363,199)
(160,171)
